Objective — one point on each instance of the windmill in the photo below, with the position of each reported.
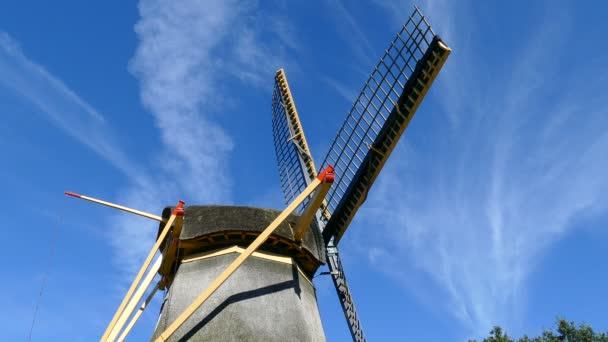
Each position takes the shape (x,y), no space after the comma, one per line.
(370,132)
(270,255)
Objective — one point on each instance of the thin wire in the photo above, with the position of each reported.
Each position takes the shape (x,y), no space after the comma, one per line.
(45,276)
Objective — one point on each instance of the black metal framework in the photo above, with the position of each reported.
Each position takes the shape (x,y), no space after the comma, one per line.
(346,300)
(379,116)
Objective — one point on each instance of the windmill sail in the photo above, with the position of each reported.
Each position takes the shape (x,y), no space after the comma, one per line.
(377,119)
(296,169)
(370,132)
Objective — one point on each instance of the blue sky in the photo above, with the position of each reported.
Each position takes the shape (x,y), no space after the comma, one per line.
(492,210)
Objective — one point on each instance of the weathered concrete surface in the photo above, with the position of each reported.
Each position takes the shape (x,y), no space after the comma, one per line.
(264,300)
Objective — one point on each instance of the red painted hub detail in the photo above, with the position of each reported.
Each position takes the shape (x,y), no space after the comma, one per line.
(327,175)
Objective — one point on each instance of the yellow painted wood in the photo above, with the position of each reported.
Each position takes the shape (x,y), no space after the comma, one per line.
(293,120)
(138,314)
(211,254)
(170,252)
(237,249)
(308,215)
(237,262)
(141,290)
(141,272)
(123,208)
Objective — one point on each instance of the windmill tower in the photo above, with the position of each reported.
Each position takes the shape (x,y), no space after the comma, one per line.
(245,274)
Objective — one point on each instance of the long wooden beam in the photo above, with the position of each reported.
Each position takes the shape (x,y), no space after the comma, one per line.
(138,314)
(177,211)
(294,125)
(308,215)
(141,290)
(170,253)
(325,176)
(116,206)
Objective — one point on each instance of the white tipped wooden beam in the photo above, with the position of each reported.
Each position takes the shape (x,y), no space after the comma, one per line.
(141,290)
(313,205)
(116,206)
(176,212)
(143,306)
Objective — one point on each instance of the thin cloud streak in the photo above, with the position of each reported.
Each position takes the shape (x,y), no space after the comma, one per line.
(54,101)
(62,106)
(66,110)
(347,93)
(477,207)
(349,30)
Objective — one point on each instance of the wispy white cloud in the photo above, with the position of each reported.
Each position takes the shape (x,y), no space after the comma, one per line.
(475,209)
(189,56)
(53,100)
(350,31)
(177,73)
(59,104)
(66,110)
(346,92)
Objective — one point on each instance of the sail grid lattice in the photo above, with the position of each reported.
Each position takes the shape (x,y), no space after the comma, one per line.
(378,118)
(295,164)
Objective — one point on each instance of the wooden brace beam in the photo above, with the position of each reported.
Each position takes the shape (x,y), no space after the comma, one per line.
(311,209)
(135,299)
(170,253)
(177,211)
(138,313)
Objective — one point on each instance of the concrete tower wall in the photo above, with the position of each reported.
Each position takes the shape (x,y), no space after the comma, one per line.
(269,298)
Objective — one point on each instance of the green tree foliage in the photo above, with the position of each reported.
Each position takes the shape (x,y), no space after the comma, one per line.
(566,332)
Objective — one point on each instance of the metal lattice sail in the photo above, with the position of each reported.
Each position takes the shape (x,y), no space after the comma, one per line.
(295,163)
(379,116)
(369,134)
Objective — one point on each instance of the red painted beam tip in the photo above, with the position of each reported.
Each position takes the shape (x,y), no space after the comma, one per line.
(179,208)
(73,194)
(327,175)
